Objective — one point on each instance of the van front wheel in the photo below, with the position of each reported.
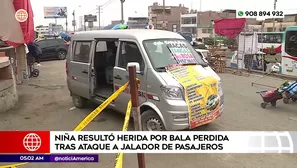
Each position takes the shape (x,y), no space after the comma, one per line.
(151,121)
(78,101)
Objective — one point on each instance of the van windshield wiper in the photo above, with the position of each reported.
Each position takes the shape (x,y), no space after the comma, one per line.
(203,64)
(161,69)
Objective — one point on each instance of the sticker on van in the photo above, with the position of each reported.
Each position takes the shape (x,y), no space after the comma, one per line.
(201,93)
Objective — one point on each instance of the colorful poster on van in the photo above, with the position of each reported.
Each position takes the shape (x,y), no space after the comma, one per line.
(181,52)
(201,93)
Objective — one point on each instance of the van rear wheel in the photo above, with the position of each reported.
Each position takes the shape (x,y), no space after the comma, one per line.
(78,101)
(151,121)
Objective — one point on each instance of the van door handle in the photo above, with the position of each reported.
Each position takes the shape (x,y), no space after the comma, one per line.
(85,71)
(118,77)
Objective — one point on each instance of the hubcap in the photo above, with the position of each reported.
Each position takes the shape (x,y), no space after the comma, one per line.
(154,124)
(61,54)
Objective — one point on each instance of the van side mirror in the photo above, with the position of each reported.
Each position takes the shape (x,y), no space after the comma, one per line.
(136,64)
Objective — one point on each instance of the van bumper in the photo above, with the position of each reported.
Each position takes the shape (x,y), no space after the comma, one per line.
(179,120)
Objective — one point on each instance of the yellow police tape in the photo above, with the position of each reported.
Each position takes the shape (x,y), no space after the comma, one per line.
(13,165)
(99,109)
(90,117)
(119,158)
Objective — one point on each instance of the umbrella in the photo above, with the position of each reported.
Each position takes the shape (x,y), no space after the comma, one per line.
(120,26)
(63,35)
(109,27)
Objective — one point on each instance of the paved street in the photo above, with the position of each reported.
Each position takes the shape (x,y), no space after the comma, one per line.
(45,104)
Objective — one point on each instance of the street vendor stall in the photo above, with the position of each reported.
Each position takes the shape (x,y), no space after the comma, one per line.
(16,34)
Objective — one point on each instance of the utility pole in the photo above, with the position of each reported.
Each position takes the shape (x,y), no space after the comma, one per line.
(122,11)
(198,15)
(73,21)
(99,16)
(163,14)
(66,24)
(274,7)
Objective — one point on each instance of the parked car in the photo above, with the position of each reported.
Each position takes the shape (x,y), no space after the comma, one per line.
(205,54)
(53,48)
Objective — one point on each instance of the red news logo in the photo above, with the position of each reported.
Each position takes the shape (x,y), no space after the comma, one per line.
(21,15)
(32,142)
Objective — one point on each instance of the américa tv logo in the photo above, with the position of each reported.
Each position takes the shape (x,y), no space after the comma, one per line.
(32,142)
(21,15)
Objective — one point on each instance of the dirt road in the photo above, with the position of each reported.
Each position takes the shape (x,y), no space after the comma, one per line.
(45,104)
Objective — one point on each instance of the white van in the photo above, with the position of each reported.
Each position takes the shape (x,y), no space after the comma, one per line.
(97,64)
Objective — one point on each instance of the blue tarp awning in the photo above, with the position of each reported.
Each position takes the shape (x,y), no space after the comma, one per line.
(116,27)
(108,27)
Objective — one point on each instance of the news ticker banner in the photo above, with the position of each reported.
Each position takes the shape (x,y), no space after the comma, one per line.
(49,158)
(94,142)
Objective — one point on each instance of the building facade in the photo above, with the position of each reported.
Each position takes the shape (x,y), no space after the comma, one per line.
(188,22)
(55,29)
(205,22)
(170,20)
(205,25)
(137,22)
(42,30)
(116,22)
(280,24)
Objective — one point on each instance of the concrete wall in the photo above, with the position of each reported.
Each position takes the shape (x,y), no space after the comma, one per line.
(279,26)
(8,92)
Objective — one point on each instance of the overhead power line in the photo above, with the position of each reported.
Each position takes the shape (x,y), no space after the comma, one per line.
(108,3)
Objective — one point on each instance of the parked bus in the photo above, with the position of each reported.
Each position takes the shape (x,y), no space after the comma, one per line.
(289,51)
(270,42)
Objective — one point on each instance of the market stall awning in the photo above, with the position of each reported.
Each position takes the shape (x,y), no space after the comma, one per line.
(230,28)
(10,29)
(28,25)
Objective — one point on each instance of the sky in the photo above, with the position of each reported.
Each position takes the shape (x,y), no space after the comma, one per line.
(134,8)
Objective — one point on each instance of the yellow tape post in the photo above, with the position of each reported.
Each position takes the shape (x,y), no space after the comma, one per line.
(119,158)
(85,122)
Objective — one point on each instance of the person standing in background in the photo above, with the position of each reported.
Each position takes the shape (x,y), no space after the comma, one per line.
(35,52)
(39,52)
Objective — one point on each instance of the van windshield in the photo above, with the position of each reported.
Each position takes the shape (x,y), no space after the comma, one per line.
(166,52)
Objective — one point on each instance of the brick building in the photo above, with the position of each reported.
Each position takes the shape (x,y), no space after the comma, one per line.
(201,23)
(137,22)
(170,21)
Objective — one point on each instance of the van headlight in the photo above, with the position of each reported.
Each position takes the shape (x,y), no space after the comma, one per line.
(172,92)
(220,87)
(221,93)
